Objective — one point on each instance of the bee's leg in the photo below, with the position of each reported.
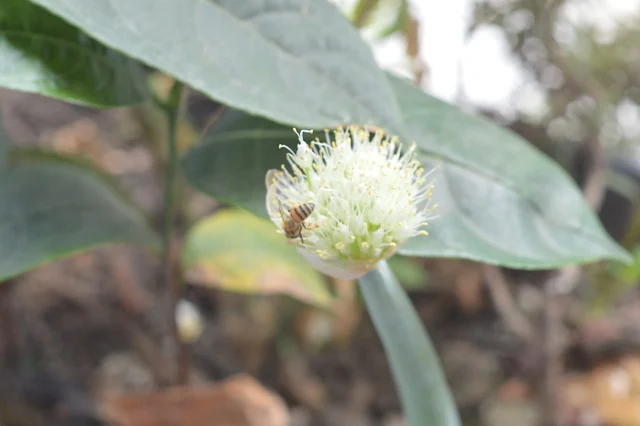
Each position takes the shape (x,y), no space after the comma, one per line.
(301,239)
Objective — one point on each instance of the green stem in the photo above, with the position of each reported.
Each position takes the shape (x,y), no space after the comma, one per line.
(172,110)
(422,387)
(170,281)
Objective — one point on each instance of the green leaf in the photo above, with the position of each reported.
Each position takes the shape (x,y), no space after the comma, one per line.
(503,201)
(296,62)
(40,53)
(237,251)
(231,161)
(52,208)
(424,393)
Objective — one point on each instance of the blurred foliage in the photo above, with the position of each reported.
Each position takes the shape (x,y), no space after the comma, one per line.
(53,206)
(409,272)
(582,60)
(610,282)
(385,17)
(388,18)
(629,274)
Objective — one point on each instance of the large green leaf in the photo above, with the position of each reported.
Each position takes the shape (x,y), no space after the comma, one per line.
(293,61)
(41,53)
(237,251)
(50,208)
(502,201)
(232,160)
(422,387)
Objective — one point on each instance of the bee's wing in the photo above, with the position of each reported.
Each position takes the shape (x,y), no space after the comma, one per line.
(271,177)
(272,194)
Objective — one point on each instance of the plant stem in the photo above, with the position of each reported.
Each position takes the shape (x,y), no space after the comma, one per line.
(422,387)
(170,281)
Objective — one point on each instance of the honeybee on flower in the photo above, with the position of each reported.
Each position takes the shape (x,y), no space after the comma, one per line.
(368,198)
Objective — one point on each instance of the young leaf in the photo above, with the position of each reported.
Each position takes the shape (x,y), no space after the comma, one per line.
(502,201)
(51,208)
(40,53)
(236,251)
(294,62)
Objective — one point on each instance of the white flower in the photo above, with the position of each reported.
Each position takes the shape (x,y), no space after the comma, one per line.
(369,197)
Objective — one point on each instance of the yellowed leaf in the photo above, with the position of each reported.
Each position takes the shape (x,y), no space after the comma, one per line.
(237,251)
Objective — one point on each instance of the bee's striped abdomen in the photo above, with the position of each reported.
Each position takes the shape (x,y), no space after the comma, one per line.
(300,212)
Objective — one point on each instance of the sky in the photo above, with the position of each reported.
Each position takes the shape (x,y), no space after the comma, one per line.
(482,65)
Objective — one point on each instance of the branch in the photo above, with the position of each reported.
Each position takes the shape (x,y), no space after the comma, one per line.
(508,310)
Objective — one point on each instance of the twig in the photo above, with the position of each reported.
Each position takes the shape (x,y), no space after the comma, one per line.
(412,35)
(556,289)
(594,187)
(213,119)
(552,353)
(501,296)
(8,342)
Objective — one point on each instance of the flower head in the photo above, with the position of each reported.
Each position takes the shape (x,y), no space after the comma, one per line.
(368,197)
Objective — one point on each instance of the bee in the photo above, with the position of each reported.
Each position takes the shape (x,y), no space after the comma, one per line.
(293,222)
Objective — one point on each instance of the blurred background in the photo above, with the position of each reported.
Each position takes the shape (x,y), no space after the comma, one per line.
(86,340)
